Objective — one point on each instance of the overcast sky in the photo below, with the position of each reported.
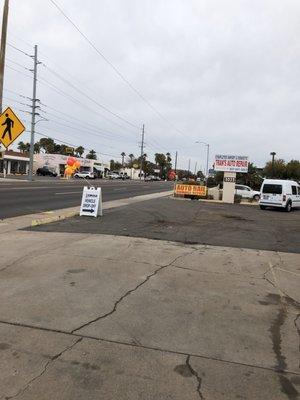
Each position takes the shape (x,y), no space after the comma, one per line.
(219,71)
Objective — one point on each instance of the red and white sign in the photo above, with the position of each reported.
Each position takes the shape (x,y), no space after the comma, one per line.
(230,163)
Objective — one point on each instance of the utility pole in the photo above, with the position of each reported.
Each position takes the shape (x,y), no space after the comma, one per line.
(189,168)
(195,168)
(2,63)
(33,113)
(176,155)
(3,48)
(273,154)
(142,151)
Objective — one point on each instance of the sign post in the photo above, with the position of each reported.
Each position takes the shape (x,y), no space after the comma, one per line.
(230,165)
(91,203)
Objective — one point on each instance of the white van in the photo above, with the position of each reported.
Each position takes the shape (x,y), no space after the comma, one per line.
(279,193)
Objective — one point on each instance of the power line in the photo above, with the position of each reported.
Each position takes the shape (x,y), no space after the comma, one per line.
(74,100)
(90,98)
(16,70)
(18,64)
(73,145)
(117,71)
(17,49)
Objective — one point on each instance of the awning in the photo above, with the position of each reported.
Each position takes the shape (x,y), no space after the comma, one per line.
(98,168)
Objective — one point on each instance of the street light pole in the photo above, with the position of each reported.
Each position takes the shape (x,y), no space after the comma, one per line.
(273,154)
(207,157)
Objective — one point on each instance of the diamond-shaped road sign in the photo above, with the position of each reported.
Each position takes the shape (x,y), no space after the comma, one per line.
(10,127)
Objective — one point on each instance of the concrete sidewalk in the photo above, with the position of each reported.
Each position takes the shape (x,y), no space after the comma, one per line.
(92,316)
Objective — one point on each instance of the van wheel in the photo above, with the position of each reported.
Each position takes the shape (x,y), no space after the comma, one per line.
(288,207)
(262,207)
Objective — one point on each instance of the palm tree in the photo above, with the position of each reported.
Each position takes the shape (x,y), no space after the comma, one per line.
(37,148)
(21,147)
(79,151)
(123,155)
(131,157)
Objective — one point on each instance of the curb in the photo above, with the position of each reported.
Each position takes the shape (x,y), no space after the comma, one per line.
(37,222)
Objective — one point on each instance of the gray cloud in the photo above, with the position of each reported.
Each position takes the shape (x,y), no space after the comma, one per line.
(225,72)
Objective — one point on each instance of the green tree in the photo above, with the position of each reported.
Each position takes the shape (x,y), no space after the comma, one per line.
(275,170)
(115,165)
(252,178)
(21,147)
(92,155)
(131,157)
(79,151)
(37,148)
(47,145)
(293,170)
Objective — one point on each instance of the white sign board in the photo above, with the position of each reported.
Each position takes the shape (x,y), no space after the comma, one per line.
(91,203)
(230,163)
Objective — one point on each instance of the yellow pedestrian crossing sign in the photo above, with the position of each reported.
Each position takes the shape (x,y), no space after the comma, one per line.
(10,127)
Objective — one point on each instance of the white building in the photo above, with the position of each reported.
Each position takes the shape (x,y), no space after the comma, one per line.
(133,173)
(17,163)
(59,161)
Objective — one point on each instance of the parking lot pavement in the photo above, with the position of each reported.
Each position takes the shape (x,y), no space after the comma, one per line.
(95,316)
(195,222)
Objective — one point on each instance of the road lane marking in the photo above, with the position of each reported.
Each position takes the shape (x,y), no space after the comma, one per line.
(62,193)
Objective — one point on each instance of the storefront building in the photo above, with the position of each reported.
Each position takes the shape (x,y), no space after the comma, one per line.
(15,163)
(58,162)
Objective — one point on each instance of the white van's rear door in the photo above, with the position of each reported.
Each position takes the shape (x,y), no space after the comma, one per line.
(272,193)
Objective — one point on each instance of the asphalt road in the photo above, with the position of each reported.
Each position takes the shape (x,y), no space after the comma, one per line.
(193,222)
(21,197)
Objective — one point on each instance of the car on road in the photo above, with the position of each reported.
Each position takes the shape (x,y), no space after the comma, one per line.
(46,171)
(246,192)
(113,175)
(124,175)
(150,178)
(280,193)
(84,174)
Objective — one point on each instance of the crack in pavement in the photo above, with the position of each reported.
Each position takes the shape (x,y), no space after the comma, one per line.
(55,357)
(195,374)
(284,300)
(37,252)
(216,272)
(148,277)
(147,347)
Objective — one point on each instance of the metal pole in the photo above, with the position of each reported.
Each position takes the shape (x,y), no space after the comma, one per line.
(33,114)
(3,48)
(2,65)
(195,168)
(207,162)
(189,167)
(142,151)
(176,155)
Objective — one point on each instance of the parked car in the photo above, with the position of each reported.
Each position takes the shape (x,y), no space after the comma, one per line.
(280,193)
(150,178)
(246,192)
(46,171)
(124,175)
(84,174)
(113,175)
